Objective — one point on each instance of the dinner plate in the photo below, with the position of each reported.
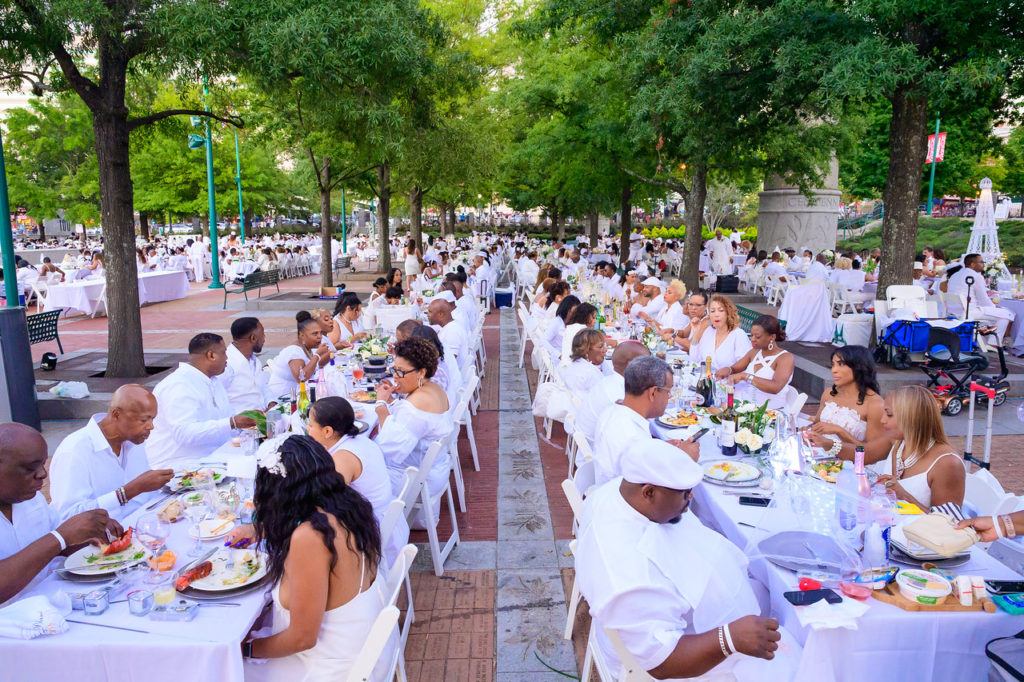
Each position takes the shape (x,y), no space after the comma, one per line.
(206,528)
(178,485)
(898,556)
(731,472)
(89,561)
(362,426)
(220,572)
(667,422)
(916,553)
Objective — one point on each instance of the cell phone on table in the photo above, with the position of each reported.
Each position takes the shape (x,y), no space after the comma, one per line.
(697,436)
(807,597)
(1005,586)
(755,501)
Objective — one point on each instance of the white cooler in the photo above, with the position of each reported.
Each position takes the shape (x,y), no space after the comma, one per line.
(853,329)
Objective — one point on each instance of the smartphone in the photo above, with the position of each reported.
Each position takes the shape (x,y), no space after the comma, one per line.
(755,501)
(1005,586)
(810,596)
(697,436)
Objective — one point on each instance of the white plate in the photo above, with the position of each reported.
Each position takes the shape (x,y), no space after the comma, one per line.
(215,581)
(79,564)
(175,486)
(205,528)
(738,472)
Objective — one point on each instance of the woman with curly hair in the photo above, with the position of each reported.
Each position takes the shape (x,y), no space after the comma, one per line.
(851,409)
(413,412)
(323,549)
(724,341)
(767,367)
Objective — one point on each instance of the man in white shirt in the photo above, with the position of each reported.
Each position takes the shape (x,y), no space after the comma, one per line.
(818,270)
(194,416)
(674,591)
(453,337)
(776,268)
(608,391)
(528,268)
(647,385)
(981,306)
(721,253)
(244,378)
(197,258)
(460,313)
(103,465)
(31,534)
(654,307)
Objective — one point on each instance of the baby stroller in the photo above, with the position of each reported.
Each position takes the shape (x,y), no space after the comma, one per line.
(946,361)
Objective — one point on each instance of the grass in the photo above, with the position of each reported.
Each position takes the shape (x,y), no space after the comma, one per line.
(952,236)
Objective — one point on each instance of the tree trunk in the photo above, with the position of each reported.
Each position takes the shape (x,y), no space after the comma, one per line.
(554,220)
(326,262)
(451,220)
(144,224)
(383,217)
(625,215)
(907,151)
(693,216)
(42,231)
(416,214)
(442,207)
(125,356)
(593,230)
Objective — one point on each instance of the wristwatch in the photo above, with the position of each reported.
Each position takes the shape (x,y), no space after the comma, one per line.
(247,649)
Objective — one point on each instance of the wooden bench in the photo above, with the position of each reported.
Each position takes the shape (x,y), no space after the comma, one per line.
(43,327)
(256,280)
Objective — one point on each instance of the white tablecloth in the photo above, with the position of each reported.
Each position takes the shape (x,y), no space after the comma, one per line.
(1017,328)
(169,285)
(890,643)
(83,296)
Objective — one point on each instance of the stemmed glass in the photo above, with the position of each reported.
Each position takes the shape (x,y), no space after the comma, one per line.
(152,531)
(196,507)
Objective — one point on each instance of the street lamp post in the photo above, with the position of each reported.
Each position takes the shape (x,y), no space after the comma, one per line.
(238,181)
(211,196)
(344,224)
(7,237)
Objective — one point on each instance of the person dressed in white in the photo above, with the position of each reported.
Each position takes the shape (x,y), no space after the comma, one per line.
(299,361)
(818,269)
(724,341)
(584,368)
(194,415)
(766,367)
(609,390)
(672,317)
(981,306)
(721,254)
(451,333)
(448,375)
(655,304)
(348,322)
(244,378)
(360,460)
(412,255)
(775,268)
(197,257)
(103,465)
(31,532)
(647,384)
(674,591)
(528,268)
(482,273)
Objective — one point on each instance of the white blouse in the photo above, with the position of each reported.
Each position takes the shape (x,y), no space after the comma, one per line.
(405,437)
(734,347)
(581,375)
(346,335)
(282,381)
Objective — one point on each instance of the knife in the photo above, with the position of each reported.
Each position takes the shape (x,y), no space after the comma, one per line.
(151,505)
(103,625)
(200,559)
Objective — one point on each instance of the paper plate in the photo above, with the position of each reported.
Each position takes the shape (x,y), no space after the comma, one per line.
(207,528)
(89,561)
(215,581)
(179,484)
(731,472)
(685,418)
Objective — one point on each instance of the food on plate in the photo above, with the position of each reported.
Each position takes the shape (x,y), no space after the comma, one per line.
(244,570)
(682,419)
(171,511)
(363,396)
(120,544)
(164,562)
(727,471)
(827,469)
(193,574)
(185,479)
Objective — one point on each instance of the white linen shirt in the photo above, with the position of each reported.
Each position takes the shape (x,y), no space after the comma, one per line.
(85,472)
(245,382)
(610,389)
(455,341)
(580,375)
(31,520)
(468,305)
(674,317)
(733,347)
(193,418)
(619,428)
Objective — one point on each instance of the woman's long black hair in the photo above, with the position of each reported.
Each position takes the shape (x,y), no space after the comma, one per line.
(310,485)
(349,299)
(568,304)
(858,359)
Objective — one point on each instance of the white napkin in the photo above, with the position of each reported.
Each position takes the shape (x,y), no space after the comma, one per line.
(32,617)
(821,615)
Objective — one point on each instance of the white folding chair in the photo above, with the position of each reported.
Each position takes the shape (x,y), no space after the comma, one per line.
(526,332)
(984,494)
(632,671)
(394,512)
(397,579)
(373,649)
(455,464)
(425,502)
(462,417)
(101,303)
(39,292)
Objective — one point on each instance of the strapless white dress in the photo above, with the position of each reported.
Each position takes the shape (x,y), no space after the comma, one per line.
(846,418)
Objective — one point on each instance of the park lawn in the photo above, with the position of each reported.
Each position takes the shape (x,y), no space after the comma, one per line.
(951,235)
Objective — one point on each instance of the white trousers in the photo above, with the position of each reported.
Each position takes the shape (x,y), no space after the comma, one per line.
(199,267)
(1000,317)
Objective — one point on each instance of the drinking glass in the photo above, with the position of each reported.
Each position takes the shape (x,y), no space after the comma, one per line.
(196,508)
(204,480)
(357,371)
(152,531)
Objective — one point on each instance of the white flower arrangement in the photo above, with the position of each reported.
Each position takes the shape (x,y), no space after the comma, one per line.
(268,456)
(373,345)
(748,439)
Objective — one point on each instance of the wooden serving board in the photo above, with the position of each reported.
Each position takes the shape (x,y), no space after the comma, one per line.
(890,594)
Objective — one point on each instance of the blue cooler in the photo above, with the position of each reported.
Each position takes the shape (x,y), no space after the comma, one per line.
(503,297)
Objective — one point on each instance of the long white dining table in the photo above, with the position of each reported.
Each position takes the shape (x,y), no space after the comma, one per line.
(888,643)
(83,296)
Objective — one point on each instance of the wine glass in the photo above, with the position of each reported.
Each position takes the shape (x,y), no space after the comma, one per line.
(196,507)
(357,371)
(152,531)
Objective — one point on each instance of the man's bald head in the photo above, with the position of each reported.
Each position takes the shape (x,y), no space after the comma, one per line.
(130,417)
(625,352)
(439,312)
(22,462)
(405,328)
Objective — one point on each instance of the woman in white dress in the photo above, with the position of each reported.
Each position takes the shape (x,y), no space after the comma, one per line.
(360,461)
(412,255)
(448,375)
(323,549)
(922,468)
(584,369)
(348,319)
(766,366)
(671,318)
(554,332)
(301,359)
(408,425)
(724,342)
(850,413)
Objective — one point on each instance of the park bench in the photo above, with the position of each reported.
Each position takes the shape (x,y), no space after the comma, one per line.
(43,327)
(748,316)
(256,280)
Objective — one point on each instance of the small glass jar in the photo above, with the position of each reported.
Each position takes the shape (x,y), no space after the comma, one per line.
(140,602)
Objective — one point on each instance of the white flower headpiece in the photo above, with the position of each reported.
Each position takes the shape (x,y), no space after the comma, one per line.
(268,456)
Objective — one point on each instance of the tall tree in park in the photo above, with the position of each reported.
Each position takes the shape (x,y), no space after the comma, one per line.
(38,37)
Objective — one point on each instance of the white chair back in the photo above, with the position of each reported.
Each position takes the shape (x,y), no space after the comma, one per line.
(391,517)
(381,634)
(984,494)
(389,317)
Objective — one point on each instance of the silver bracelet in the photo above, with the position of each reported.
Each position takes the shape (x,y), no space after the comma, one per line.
(728,638)
(837,445)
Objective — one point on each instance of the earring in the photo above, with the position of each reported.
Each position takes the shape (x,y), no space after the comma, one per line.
(771,345)
(419,384)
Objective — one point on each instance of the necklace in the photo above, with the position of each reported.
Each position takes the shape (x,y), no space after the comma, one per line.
(902,465)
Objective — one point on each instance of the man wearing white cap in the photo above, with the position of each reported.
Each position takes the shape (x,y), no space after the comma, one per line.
(675,591)
(919,277)
(655,304)
(448,292)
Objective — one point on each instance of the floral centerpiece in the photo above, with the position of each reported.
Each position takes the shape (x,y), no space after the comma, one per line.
(373,346)
(869,266)
(995,268)
(752,427)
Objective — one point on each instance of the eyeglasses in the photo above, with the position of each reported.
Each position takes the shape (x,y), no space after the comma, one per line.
(401,373)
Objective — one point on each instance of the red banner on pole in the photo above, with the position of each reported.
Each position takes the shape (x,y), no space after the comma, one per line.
(939,149)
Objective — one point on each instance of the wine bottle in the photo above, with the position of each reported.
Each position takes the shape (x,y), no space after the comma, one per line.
(706,385)
(302,404)
(729,425)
